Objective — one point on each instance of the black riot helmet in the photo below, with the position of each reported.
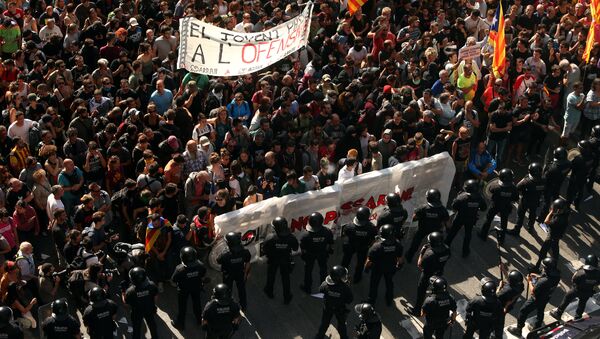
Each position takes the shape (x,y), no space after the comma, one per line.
(393,200)
(337,274)
(222,294)
(281,226)
(596,131)
(315,221)
(137,276)
(362,216)
(560,205)
(96,295)
(435,239)
(364,310)
(434,197)
(386,232)
(549,263)
(506,176)
(188,255)
(6,316)
(515,278)
(488,289)
(591,262)
(439,285)
(233,240)
(584,146)
(560,154)
(60,309)
(471,186)
(535,170)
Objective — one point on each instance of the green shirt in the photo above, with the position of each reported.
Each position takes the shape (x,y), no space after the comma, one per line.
(289,189)
(200,79)
(10,36)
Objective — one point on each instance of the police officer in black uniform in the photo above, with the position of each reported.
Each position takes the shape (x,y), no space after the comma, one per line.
(432,217)
(189,279)
(336,295)
(98,317)
(432,259)
(61,325)
(509,292)
(557,222)
(467,204)
(504,193)
(531,189)
(383,260)
(8,329)
(316,244)
(484,313)
(235,265)
(581,167)
(370,323)
(541,288)
(357,236)
(394,214)
(584,281)
(554,176)
(221,316)
(278,249)
(595,147)
(141,297)
(439,310)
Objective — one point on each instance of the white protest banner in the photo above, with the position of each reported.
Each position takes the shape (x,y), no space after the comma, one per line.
(469,52)
(339,202)
(211,50)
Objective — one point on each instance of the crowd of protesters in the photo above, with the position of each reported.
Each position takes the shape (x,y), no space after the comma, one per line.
(102,136)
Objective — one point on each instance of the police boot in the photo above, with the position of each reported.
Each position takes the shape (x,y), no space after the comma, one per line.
(514,231)
(556,314)
(413,311)
(177,325)
(515,330)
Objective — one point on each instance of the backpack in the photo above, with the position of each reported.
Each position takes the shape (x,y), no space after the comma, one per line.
(76,283)
(118,198)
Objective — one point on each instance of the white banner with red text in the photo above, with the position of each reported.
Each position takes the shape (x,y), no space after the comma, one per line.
(338,203)
(211,50)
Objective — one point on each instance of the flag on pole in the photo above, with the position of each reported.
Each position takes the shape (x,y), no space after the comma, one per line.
(497,40)
(592,34)
(354,5)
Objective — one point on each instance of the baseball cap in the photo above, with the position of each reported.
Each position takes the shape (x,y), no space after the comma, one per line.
(204,142)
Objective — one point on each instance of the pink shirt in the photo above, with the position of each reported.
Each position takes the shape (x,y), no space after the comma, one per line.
(8,231)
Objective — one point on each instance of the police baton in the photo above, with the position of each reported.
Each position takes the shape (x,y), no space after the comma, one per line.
(500,264)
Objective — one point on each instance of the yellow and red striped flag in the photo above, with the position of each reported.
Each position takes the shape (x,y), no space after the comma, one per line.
(497,40)
(354,5)
(592,34)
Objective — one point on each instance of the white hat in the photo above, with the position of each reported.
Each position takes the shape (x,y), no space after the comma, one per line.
(133,22)
(204,142)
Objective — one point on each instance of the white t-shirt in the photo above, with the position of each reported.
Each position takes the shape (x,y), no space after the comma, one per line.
(345,174)
(52,205)
(46,33)
(20,131)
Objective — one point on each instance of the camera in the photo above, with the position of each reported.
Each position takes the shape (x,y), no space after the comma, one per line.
(111,271)
(62,274)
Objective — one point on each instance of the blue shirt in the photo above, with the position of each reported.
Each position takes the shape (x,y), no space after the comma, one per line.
(162,101)
(479,161)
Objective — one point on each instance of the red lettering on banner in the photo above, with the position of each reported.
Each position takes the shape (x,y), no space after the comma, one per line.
(358,202)
(329,217)
(298,224)
(261,49)
(407,194)
(346,205)
(244,54)
(381,200)
(371,203)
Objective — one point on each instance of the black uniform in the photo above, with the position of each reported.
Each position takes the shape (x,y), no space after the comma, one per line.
(335,299)
(466,206)
(369,328)
(437,308)
(395,216)
(11,331)
(531,191)
(357,239)
(556,229)
(141,300)
(542,291)
(554,176)
(384,256)
(508,295)
(433,261)
(581,167)
(219,318)
(189,284)
(315,247)
(503,196)
(278,250)
(485,316)
(584,281)
(232,266)
(61,329)
(431,219)
(595,147)
(98,318)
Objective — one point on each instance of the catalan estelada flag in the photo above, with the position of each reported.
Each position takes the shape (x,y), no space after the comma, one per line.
(354,5)
(496,39)
(592,34)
